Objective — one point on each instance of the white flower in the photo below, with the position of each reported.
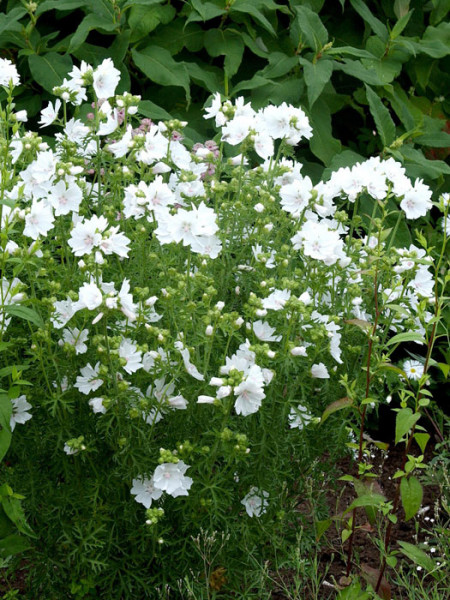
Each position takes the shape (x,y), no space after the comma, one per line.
(277,299)
(97,405)
(19,413)
(89,381)
(319,371)
(417,200)
(76,338)
(50,113)
(145,491)
(413,369)
(64,311)
(190,367)
(255,502)
(65,200)
(265,332)
(90,297)
(129,352)
(170,478)
(299,417)
(8,73)
(106,78)
(39,221)
(250,392)
(21,116)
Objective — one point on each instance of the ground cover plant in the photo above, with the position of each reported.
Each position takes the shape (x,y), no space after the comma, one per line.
(184,326)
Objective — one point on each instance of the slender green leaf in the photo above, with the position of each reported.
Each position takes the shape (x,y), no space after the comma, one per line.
(335,406)
(404,422)
(366,500)
(279,65)
(408,336)
(153,111)
(207,76)
(355,68)
(383,120)
(401,8)
(376,25)
(440,139)
(24,312)
(159,66)
(422,440)
(350,51)
(400,25)
(44,7)
(417,555)
(250,84)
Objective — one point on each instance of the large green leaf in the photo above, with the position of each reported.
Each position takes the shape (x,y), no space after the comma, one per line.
(205,11)
(323,144)
(207,76)
(419,166)
(159,66)
(144,19)
(317,75)
(89,23)
(312,29)
(279,64)
(254,8)
(13,544)
(417,555)
(383,120)
(411,494)
(9,22)
(175,36)
(355,68)
(257,81)
(5,431)
(49,69)
(47,5)
(26,313)
(438,139)
(228,43)
(153,111)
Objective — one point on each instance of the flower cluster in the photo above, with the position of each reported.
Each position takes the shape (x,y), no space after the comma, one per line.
(173,290)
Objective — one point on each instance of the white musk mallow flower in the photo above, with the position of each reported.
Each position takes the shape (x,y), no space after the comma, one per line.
(8,73)
(106,77)
(255,502)
(145,491)
(171,478)
(89,380)
(319,371)
(19,414)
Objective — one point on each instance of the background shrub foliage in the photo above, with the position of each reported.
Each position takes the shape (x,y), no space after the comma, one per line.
(372,76)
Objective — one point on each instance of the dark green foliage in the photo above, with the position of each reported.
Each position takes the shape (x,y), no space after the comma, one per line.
(371,75)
